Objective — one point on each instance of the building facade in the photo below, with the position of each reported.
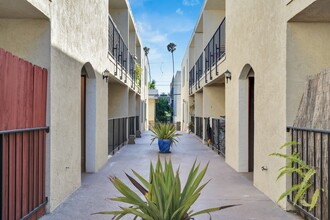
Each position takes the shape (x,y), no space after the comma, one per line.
(176,97)
(248,62)
(97,80)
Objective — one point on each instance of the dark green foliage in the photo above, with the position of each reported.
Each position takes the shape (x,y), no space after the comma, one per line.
(152,84)
(163,110)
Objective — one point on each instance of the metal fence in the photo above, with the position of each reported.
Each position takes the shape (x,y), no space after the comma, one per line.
(218,136)
(192,124)
(23,173)
(131,125)
(314,150)
(199,127)
(117,134)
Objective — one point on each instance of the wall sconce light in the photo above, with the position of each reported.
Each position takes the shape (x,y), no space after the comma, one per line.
(227,75)
(106,75)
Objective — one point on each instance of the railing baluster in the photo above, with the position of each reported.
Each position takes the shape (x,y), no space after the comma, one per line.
(313,161)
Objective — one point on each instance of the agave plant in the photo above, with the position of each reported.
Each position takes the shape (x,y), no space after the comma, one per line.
(164,131)
(163,197)
(304,171)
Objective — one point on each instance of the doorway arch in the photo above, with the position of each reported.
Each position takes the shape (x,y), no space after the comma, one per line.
(246,119)
(88,118)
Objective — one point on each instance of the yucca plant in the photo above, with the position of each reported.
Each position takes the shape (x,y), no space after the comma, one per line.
(304,171)
(163,197)
(164,131)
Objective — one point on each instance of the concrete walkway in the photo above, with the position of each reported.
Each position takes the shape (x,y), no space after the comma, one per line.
(226,186)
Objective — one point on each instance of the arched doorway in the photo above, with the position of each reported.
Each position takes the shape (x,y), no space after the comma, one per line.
(246,119)
(88,118)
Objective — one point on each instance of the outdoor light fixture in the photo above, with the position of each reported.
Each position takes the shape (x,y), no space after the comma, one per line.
(227,75)
(106,75)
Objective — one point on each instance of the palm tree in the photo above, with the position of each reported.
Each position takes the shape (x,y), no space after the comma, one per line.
(146,52)
(171,48)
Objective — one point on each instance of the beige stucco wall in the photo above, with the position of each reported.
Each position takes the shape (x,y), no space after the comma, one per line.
(281,55)
(211,21)
(307,54)
(118,100)
(151,110)
(199,104)
(72,50)
(63,46)
(263,49)
(131,104)
(31,39)
(214,101)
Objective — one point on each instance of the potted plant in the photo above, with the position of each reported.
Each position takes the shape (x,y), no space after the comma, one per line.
(166,134)
(164,199)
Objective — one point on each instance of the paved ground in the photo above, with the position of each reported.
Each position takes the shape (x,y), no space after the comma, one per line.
(226,186)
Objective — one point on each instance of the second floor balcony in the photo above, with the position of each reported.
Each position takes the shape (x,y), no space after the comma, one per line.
(125,62)
(209,58)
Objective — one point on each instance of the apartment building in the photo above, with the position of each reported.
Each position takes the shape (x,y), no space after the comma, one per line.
(176,97)
(89,57)
(247,63)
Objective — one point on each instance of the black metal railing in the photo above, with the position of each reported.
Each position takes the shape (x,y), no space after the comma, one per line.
(215,49)
(192,124)
(131,125)
(117,134)
(199,70)
(23,173)
(117,48)
(213,52)
(314,150)
(199,127)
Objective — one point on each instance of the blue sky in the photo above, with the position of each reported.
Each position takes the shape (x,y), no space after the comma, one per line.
(160,22)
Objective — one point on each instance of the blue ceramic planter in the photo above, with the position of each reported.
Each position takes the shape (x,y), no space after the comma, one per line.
(164,145)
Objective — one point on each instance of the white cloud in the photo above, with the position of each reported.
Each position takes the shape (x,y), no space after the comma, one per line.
(179,11)
(191,2)
(151,35)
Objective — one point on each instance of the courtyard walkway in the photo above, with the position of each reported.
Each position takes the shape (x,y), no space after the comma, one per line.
(226,187)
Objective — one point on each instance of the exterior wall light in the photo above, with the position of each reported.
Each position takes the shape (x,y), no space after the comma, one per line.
(227,75)
(106,75)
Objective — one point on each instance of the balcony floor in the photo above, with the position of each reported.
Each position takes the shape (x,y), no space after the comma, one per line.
(226,186)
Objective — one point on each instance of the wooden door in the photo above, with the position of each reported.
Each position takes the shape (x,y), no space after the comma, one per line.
(83,123)
(251,124)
